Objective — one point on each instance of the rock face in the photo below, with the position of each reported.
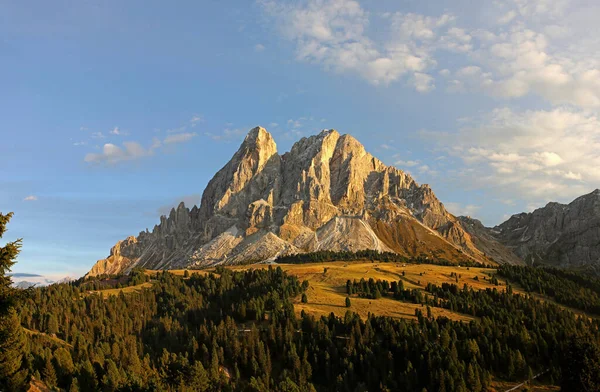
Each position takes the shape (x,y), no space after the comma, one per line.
(565,235)
(327,192)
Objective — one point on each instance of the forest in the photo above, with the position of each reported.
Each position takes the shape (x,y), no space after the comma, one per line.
(565,287)
(238,331)
(370,255)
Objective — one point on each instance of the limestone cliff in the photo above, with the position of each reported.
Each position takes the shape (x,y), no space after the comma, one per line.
(327,192)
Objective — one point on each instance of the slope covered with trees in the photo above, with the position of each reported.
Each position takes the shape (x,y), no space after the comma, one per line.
(13,375)
(565,287)
(238,331)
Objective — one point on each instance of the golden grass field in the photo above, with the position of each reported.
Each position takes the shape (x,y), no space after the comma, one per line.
(327,291)
(108,292)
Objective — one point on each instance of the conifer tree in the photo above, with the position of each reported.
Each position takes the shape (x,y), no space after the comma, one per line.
(49,373)
(12,340)
(74,386)
(200,380)
(580,365)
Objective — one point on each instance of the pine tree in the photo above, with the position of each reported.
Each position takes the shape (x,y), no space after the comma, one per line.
(348,303)
(74,386)
(49,373)
(12,340)
(199,377)
(580,365)
(304,298)
(87,377)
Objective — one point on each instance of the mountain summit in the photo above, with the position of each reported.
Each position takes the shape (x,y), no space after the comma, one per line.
(326,193)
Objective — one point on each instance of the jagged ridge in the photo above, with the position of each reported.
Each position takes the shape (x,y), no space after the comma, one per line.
(565,235)
(327,192)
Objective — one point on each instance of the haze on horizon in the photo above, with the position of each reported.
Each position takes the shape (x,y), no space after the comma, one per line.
(114,113)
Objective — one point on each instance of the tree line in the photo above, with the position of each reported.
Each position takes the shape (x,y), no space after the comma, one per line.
(369,255)
(565,287)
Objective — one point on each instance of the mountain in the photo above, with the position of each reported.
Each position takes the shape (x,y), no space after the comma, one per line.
(564,235)
(326,193)
(25,280)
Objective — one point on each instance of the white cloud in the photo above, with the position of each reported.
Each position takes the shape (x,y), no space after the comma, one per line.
(112,154)
(30,198)
(196,119)
(545,48)
(227,135)
(507,17)
(333,34)
(409,163)
(459,209)
(259,48)
(179,137)
(535,154)
(532,53)
(128,151)
(97,135)
(423,82)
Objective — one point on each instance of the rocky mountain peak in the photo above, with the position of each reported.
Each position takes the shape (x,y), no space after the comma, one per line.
(327,192)
(560,234)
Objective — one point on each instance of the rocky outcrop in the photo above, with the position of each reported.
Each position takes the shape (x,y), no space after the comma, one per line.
(485,240)
(565,235)
(327,192)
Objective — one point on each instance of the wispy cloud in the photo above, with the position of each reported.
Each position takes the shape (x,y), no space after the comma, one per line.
(30,198)
(179,137)
(410,163)
(112,154)
(132,150)
(459,209)
(334,34)
(528,51)
(534,154)
(227,135)
(196,119)
(259,48)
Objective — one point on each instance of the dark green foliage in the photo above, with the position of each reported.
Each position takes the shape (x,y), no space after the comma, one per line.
(12,341)
(366,255)
(375,289)
(581,364)
(238,331)
(102,282)
(565,287)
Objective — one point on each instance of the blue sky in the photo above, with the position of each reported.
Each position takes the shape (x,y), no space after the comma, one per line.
(112,112)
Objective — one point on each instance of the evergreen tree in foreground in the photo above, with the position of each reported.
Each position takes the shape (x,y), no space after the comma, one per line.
(12,340)
(581,365)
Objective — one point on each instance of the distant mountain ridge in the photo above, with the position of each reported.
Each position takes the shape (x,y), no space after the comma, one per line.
(563,235)
(326,193)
